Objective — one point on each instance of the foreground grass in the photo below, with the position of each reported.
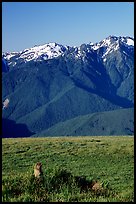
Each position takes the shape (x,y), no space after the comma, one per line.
(109,160)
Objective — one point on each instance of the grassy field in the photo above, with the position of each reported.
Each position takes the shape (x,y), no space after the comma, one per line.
(107,160)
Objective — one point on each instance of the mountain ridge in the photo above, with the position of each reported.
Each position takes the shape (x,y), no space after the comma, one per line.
(77,81)
(59,49)
(95,124)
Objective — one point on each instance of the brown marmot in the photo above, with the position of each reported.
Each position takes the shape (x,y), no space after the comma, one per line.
(38,170)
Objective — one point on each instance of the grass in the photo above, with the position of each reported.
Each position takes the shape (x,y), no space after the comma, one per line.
(80,160)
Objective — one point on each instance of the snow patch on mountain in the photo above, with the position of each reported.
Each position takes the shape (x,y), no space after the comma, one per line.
(130,42)
(77,52)
(8,55)
(46,51)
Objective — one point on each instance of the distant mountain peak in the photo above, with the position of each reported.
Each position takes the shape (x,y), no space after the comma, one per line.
(52,50)
(46,51)
(112,43)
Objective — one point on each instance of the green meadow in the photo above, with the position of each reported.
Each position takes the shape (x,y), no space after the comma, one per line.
(109,160)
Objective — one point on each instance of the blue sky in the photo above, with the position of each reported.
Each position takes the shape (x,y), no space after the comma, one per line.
(25,24)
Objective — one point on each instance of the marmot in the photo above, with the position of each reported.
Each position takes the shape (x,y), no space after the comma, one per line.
(38,170)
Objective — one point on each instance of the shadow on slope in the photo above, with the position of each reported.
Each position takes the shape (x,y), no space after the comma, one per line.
(112,97)
(10,129)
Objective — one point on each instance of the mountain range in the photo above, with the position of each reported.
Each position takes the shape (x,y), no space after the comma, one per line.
(57,90)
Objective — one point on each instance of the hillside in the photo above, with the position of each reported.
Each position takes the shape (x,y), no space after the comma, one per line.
(117,122)
(52,83)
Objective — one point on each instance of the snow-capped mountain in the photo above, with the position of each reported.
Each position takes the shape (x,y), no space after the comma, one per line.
(49,84)
(47,51)
(113,40)
(36,53)
(113,43)
(53,50)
